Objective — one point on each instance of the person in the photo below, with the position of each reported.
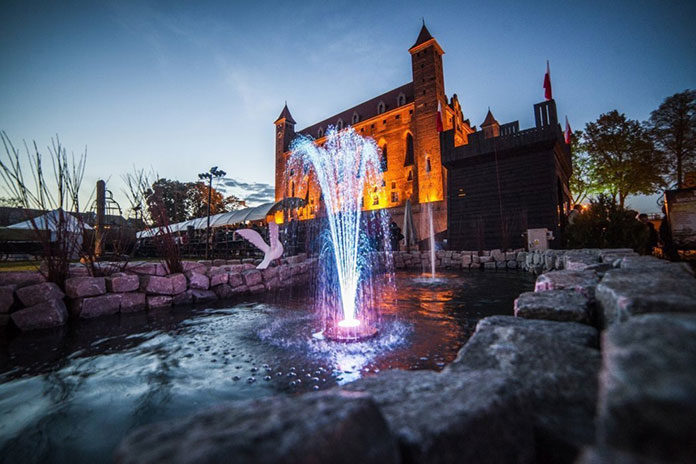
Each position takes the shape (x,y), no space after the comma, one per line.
(669,249)
(651,237)
(395,235)
(574,213)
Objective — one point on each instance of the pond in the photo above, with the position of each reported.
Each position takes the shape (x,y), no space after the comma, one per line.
(71,395)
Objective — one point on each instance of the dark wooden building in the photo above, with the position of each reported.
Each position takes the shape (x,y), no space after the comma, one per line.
(505,181)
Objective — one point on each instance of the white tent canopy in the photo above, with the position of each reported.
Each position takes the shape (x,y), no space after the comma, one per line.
(51,221)
(254,213)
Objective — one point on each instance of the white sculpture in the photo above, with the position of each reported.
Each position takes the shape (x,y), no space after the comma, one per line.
(272,251)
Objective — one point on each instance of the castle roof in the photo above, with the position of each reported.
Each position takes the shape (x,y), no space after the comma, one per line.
(365,110)
(423,37)
(285,114)
(490,120)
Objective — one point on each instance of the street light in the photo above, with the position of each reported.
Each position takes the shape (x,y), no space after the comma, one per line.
(214,172)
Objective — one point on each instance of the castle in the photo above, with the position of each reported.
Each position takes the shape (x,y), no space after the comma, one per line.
(409,124)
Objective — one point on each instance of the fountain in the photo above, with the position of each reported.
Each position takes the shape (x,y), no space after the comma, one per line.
(345,166)
(432,240)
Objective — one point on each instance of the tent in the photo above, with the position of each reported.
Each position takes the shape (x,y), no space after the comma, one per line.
(51,221)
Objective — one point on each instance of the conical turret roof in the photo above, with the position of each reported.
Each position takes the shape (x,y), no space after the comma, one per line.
(490,120)
(423,37)
(285,114)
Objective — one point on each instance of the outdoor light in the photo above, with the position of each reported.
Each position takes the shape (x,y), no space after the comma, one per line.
(210,175)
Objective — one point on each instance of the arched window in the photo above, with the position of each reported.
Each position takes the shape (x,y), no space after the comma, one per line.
(409,161)
(356,118)
(401,99)
(381,107)
(320,133)
(339,124)
(383,161)
(428,167)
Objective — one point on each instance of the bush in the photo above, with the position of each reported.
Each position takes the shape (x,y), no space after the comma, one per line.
(604,224)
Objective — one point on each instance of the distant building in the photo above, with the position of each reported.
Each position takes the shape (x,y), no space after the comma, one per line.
(403,122)
(505,181)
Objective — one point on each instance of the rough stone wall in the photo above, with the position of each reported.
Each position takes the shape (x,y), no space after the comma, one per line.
(31,303)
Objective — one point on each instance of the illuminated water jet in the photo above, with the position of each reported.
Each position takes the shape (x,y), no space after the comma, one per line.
(346,167)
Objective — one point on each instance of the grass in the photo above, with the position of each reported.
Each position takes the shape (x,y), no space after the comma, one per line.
(7,266)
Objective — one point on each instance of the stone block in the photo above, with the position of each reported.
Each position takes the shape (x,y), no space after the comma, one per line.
(80,287)
(578,260)
(553,365)
(157,285)
(133,302)
(122,283)
(622,294)
(198,281)
(6,298)
(650,263)
(489,265)
(521,257)
(193,266)
(218,279)
(323,427)
(203,296)
(153,269)
(553,305)
(272,284)
(235,279)
(252,278)
(39,293)
(484,259)
(583,282)
(510,256)
(223,291)
(44,315)
(182,299)
(512,264)
(500,264)
(257,288)
(432,414)
(647,395)
(159,301)
(96,306)
(21,278)
(219,262)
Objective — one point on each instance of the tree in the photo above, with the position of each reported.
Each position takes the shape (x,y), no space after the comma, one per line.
(198,198)
(582,182)
(622,157)
(673,126)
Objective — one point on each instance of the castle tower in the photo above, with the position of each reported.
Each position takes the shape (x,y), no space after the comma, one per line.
(490,126)
(429,90)
(285,132)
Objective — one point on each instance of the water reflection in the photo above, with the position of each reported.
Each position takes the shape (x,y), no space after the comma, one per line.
(71,395)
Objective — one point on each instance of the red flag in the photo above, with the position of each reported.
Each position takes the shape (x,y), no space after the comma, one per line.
(547,82)
(568,132)
(439,116)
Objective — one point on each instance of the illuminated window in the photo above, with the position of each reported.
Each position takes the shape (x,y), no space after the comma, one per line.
(409,150)
(394,197)
(428,167)
(393,185)
(375,200)
(410,176)
(381,107)
(384,183)
(383,158)
(356,118)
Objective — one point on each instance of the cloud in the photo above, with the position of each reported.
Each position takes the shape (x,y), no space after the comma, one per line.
(254,193)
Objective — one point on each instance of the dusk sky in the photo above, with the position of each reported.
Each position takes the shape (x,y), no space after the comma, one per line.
(183,86)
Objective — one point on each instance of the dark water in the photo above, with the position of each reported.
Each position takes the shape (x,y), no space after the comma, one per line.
(71,395)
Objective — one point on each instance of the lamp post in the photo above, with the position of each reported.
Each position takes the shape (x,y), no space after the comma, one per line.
(214,172)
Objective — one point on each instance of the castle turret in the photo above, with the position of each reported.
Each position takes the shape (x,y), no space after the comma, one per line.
(490,126)
(429,90)
(285,132)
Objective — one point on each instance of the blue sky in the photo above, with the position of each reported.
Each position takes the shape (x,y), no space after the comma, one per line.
(182,86)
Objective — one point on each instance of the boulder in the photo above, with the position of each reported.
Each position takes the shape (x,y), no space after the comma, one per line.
(122,282)
(197,280)
(153,269)
(269,273)
(444,417)
(554,366)
(133,302)
(44,315)
(218,279)
(96,306)
(80,287)
(184,298)
(179,283)
(554,305)
(336,427)
(158,301)
(578,260)
(252,277)
(224,291)
(257,288)
(647,396)
(193,266)
(39,293)
(622,294)
(235,279)
(157,285)
(21,278)
(203,296)
(6,298)
(512,264)
(583,282)
(650,263)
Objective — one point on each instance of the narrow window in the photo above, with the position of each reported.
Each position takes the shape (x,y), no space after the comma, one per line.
(381,107)
(292,189)
(427,164)
(409,151)
(383,158)
(394,197)
(393,184)
(410,175)
(375,201)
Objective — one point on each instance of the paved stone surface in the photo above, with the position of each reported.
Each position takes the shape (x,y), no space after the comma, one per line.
(79,287)
(647,400)
(39,293)
(41,316)
(554,367)
(325,427)
(444,417)
(622,294)
(554,305)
